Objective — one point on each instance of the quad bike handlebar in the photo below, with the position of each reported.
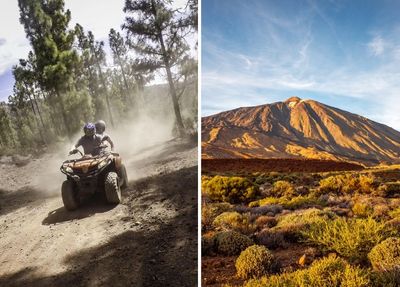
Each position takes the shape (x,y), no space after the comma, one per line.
(74,151)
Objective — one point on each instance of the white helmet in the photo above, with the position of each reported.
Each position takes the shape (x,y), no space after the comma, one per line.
(100,126)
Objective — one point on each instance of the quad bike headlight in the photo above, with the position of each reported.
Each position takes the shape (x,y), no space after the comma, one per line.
(68,169)
(101,164)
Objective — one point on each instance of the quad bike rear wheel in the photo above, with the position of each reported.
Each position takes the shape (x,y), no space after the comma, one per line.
(124,176)
(69,196)
(112,189)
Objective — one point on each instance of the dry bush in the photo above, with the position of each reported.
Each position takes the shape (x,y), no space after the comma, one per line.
(395,213)
(290,203)
(385,256)
(283,188)
(210,211)
(326,272)
(271,209)
(306,216)
(271,238)
(232,220)
(265,221)
(254,262)
(348,184)
(350,238)
(231,242)
(229,189)
(362,209)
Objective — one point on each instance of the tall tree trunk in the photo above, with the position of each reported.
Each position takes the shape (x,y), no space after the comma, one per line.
(63,114)
(36,119)
(38,110)
(172,88)
(103,82)
(128,94)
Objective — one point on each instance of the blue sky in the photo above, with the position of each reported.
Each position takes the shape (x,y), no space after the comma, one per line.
(341,53)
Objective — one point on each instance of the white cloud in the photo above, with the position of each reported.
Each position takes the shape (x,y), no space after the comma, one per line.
(14,44)
(376,46)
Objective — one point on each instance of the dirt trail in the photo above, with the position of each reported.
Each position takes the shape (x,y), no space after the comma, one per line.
(148,240)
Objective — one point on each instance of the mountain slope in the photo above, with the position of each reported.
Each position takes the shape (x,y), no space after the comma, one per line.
(298,128)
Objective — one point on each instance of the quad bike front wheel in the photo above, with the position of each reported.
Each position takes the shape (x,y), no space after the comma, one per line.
(112,189)
(69,195)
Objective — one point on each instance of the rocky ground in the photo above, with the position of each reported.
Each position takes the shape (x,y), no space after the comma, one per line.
(148,240)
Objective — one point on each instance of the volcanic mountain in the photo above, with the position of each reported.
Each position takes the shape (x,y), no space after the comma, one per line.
(298,128)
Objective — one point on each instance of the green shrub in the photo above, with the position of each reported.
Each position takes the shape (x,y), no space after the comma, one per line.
(290,203)
(292,225)
(230,189)
(254,262)
(395,213)
(231,242)
(385,256)
(233,220)
(351,238)
(210,211)
(347,184)
(362,209)
(326,272)
(283,188)
(307,216)
(386,279)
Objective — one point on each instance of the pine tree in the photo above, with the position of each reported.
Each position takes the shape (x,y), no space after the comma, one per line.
(46,26)
(157,33)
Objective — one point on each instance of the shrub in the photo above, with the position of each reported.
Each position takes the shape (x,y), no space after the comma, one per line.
(395,213)
(386,279)
(290,203)
(267,209)
(307,216)
(283,188)
(210,211)
(230,189)
(254,262)
(265,221)
(385,256)
(352,238)
(291,225)
(271,238)
(362,209)
(231,242)
(326,272)
(348,184)
(390,188)
(233,220)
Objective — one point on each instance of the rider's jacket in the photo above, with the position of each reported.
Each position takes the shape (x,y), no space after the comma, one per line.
(90,144)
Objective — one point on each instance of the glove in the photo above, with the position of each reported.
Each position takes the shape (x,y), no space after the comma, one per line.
(73,151)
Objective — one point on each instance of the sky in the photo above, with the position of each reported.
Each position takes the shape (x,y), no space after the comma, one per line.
(98,16)
(344,54)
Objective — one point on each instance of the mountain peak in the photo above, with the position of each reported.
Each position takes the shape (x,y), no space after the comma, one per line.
(293,101)
(305,129)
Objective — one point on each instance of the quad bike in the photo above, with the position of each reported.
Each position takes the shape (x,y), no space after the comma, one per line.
(92,174)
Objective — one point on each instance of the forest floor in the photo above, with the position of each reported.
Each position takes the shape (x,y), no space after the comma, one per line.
(145,241)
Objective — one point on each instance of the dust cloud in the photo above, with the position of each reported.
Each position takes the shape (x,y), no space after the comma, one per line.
(136,138)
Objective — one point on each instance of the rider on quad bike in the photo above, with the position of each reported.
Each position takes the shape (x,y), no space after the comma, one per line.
(98,170)
(90,141)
